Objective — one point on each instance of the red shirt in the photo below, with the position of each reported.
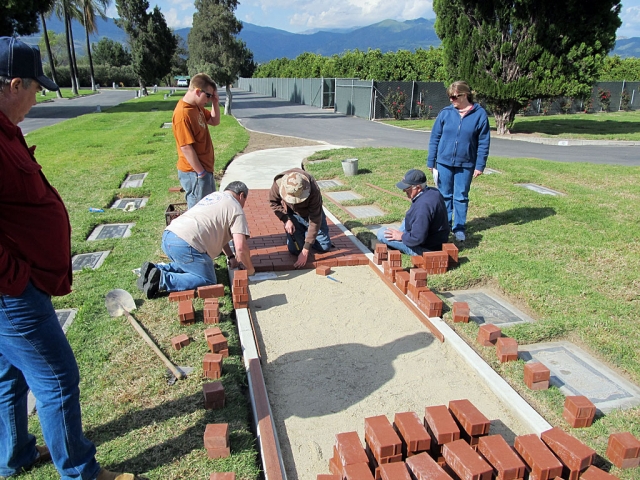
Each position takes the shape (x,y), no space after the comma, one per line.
(35,233)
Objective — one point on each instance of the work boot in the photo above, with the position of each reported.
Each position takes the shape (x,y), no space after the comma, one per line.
(152,285)
(43,455)
(145,269)
(107,475)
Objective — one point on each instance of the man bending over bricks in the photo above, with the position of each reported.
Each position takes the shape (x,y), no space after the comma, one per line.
(296,200)
(35,263)
(195,238)
(425,226)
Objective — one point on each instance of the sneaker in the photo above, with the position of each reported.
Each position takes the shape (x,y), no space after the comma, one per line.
(460,236)
(107,475)
(152,284)
(145,269)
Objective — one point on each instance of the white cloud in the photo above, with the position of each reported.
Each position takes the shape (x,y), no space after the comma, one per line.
(175,20)
(630,17)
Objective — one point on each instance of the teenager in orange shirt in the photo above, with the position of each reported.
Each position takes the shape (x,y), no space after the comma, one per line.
(191,122)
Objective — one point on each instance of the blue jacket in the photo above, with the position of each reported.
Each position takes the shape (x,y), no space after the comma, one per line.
(460,141)
(426,223)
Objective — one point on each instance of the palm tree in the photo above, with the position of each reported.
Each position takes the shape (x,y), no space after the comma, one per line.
(46,42)
(64,10)
(89,10)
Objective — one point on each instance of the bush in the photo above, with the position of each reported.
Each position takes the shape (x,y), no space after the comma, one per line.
(105,75)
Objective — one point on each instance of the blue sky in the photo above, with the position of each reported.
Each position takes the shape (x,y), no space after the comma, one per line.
(300,15)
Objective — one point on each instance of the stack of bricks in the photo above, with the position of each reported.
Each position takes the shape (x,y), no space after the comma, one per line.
(382,443)
(488,335)
(180,341)
(349,458)
(417,283)
(211,312)
(473,424)
(240,289)
(380,253)
(435,262)
(623,450)
(323,270)
(216,440)
(575,456)
(212,366)
(211,291)
(402,281)
(452,251)
(430,303)
(461,312)
(214,396)
(415,438)
(506,349)
(536,376)
(441,452)
(217,342)
(392,265)
(579,411)
(182,296)
(186,314)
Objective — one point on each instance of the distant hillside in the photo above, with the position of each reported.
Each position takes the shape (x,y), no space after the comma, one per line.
(268,43)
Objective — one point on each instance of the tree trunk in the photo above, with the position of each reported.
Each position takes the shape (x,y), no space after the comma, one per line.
(504,114)
(51,62)
(228,100)
(73,53)
(74,85)
(93,79)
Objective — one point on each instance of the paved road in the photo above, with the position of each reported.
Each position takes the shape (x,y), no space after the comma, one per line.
(50,113)
(276,116)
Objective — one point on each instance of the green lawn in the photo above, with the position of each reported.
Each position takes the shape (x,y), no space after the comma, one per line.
(571,262)
(66,93)
(138,422)
(592,126)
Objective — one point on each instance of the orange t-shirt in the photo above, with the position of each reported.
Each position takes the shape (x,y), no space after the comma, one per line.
(190,128)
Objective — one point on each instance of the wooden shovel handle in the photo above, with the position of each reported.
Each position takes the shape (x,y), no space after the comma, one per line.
(177,373)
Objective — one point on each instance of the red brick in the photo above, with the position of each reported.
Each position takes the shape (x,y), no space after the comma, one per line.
(507,465)
(175,189)
(394,256)
(223,476)
(413,435)
(440,424)
(465,462)
(381,248)
(623,449)
(217,343)
(452,251)
(214,396)
(471,419)
(423,467)
(506,349)
(240,278)
(323,270)
(180,341)
(402,281)
(210,332)
(381,437)
(394,471)
(594,473)
(413,292)
(576,422)
(350,449)
(326,476)
(240,290)
(175,296)
(417,261)
(186,313)
(216,435)
(213,453)
(357,471)
(335,465)
(488,334)
(460,312)
(579,406)
(417,274)
(211,291)
(535,372)
(573,454)
(212,365)
(542,463)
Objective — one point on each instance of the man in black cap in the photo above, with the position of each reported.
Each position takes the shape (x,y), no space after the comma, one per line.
(425,226)
(35,263)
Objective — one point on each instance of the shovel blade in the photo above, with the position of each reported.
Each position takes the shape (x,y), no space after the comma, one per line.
(117,301)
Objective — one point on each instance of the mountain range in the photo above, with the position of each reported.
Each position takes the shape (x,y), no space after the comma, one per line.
(268,43)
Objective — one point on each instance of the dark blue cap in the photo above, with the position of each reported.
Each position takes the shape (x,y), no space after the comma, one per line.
(411,178)
(20,60)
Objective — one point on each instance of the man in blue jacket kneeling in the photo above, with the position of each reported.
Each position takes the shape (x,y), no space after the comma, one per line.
(426,225)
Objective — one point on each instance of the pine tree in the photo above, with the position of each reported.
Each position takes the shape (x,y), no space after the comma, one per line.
(20,17)
(511,51)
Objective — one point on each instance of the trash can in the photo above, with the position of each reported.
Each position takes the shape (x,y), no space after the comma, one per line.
(350,166)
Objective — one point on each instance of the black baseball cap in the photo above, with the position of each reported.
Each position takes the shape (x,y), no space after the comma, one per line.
(20,60)
(411,178)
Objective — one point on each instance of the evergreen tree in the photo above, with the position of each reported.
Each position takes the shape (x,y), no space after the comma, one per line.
(511,51)
(213,46)
(110,52)
(151,41)
(20,17)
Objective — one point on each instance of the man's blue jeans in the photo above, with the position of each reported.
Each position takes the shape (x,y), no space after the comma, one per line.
(413,251)
(34,353)
(454,184)
(295,242)
(188,269)
(195,189)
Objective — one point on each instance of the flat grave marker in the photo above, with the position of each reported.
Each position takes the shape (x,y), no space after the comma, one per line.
(491,171)
(342,196)
(329,183)
(92,260)
(365,211)
(486,307)
(111,230)
(123,202)
(134,180)
(540,189)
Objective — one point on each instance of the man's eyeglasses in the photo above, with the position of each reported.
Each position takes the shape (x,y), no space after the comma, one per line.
(455,97)
(209,95)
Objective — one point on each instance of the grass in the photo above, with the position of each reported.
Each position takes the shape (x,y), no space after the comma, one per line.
(591,126)
(66,93)
(138,422)
(571,262)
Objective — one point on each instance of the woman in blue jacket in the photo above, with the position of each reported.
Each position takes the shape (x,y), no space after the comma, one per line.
(458,150)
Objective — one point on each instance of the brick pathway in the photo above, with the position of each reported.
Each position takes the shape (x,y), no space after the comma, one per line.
(268,241)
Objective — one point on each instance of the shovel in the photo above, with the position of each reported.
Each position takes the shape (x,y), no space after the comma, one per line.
(119,302)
